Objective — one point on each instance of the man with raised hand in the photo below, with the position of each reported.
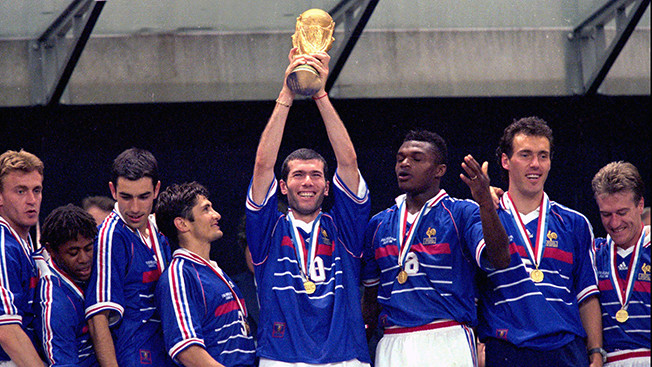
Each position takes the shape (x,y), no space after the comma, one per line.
(307,262)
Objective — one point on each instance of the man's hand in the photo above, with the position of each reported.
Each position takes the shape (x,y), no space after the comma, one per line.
(478,180)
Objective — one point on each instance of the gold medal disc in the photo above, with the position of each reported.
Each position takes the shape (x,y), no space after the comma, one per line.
(247,328)
(402,277)
(536,275)
(622,315)
(309,286)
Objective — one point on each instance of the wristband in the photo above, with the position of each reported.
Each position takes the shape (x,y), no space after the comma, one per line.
(600,350)
(278,100)
(320,97)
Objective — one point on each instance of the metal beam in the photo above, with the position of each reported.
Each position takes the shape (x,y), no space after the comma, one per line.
(53,55)
(354,15)
(591,57)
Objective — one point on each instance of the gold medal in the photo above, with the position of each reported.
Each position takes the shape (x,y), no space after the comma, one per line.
(622,315)
(536,275)
(309,286)
(402,277)
(247,328)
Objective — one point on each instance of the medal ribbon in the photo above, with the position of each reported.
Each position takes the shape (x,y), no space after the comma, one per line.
(305,264)
(405,239)
(534,252)
(624,295)
(219,274)
(26,246)
(153,244)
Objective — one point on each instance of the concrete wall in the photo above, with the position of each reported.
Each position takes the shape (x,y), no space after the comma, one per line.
(384,64)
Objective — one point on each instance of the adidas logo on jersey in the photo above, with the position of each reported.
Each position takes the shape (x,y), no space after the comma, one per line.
(622,266)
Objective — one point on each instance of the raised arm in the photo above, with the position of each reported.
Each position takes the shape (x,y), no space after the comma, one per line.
(347,161)
(270,140)
(494,233)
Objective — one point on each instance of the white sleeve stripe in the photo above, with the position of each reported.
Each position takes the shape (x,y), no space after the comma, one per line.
(46,315)
(179,300)
(6,296)
(98,307)
(103,266)
(586,292)
(337,180)
(252,205)
(180,346)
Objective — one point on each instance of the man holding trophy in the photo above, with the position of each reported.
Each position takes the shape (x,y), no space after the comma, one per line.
(307,262)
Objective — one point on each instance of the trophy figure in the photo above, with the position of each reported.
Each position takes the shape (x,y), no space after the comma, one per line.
(314,33)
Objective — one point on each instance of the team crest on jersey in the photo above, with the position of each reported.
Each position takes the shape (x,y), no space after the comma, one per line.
(324,237)
(227,296)
(552,239)
(501,333)
(431,239)
(645,276)
(278,330)
(145,356)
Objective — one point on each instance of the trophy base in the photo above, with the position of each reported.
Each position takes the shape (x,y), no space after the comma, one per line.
(304,80)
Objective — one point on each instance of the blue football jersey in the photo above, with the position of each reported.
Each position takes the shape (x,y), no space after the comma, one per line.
(199,308)
(323,325)
(123,282)
(540,315)
(441,262)
(18,279)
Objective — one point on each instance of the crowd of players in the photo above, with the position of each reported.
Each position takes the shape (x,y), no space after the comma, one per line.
(516,270)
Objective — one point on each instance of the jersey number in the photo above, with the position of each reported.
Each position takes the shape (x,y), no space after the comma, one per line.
(412,264)
(317,272)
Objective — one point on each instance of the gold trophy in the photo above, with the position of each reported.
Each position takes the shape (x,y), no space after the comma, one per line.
(314,33)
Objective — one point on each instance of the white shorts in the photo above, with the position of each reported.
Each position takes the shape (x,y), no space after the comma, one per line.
(264,362)
(7,364)
(438,344)
(629,358)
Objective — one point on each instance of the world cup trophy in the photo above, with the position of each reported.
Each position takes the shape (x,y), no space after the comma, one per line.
(314,33)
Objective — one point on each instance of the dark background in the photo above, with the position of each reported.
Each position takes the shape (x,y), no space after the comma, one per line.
(215,143)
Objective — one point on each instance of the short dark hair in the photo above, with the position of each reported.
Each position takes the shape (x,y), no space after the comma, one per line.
(177,201)
(438,143)
(134,164)
(530,126)
(616,177)
(66,223)
(103,202)
(303,154)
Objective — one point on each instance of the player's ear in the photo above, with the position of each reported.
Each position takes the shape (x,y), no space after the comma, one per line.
(504,161)
(113,192)
(440,171)
(283,186)
(181,224)
(327,188)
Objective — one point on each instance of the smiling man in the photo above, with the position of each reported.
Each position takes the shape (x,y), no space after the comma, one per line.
(202,311)
(64,263)
(307,262)
(130,256)
(623,264)
(21,187)
(542,310)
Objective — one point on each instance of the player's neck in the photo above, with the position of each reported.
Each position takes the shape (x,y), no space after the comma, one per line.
(416,201)
(306,218)
(22,231)
(199,248)
(526,203)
